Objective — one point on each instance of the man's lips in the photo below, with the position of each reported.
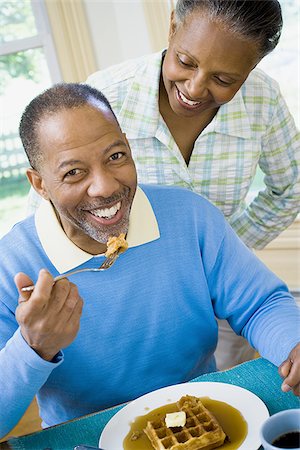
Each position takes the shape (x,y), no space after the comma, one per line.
(107,215)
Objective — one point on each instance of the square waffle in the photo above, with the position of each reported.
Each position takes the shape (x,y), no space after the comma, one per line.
(201,431)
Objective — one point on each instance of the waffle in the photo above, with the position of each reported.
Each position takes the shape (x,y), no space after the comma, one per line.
(116,243)
(201,431)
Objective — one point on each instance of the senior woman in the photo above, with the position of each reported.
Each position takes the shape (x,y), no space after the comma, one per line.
(199,115)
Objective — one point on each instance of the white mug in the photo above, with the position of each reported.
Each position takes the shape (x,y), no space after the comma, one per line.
(279,424)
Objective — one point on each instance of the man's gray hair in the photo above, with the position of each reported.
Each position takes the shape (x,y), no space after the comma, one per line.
(59,97)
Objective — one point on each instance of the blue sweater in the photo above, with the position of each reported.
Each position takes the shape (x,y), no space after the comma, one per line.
(147,322)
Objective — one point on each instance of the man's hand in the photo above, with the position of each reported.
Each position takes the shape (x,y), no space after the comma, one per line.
(49,316)
(290,371)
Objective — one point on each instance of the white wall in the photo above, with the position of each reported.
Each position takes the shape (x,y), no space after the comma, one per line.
(118,30)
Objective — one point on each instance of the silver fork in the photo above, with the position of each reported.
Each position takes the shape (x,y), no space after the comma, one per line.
(107,263)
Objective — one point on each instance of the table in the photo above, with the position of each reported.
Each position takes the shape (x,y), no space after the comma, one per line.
(259,376)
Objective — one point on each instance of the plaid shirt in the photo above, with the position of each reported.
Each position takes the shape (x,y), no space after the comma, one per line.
(254,128)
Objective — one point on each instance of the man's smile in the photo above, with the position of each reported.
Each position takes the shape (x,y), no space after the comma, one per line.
(106,213)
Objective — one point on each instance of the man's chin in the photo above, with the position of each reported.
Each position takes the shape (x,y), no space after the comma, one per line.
(103,237)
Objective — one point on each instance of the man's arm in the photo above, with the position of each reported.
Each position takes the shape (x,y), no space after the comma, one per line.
(48,321)
(49,316)
(254,300)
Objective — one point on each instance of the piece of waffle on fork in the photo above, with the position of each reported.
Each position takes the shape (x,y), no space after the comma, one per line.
(200,432)
(116,244)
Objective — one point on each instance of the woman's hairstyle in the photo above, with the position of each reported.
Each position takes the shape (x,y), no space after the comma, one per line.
(59,97)
(257,20)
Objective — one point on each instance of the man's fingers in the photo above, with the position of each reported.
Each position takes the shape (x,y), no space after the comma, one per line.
(40,296)
(291,380)
(284,368)
(75,311)
(60,292)
(22,280)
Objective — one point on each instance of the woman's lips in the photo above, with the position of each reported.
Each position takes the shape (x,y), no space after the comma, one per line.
(185,102)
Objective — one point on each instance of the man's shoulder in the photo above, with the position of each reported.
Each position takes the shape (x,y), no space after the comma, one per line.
(22,232)
(180,197)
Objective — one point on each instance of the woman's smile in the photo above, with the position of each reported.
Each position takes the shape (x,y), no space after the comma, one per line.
(186,102)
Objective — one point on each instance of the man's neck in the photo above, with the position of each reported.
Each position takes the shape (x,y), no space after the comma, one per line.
(81,239)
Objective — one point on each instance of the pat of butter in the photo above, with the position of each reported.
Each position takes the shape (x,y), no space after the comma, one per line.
(176,419)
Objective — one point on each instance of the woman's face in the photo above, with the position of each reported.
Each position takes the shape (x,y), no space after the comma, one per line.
(205,65)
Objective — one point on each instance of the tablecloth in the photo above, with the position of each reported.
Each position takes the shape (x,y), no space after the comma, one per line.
(258,376)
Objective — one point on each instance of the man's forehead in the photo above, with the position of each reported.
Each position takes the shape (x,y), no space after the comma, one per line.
(82,127)
(89,118)
(92,106)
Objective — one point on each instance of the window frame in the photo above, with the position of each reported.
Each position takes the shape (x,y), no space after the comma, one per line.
(43,39)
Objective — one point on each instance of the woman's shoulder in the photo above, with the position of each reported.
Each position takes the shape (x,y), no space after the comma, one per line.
(121,73)
(259,83)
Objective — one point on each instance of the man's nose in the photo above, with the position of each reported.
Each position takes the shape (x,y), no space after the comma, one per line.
(102,184)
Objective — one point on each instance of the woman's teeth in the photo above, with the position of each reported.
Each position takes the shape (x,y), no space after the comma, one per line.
(186,100)
(107,213)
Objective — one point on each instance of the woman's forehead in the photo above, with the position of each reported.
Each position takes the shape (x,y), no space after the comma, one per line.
(201,38)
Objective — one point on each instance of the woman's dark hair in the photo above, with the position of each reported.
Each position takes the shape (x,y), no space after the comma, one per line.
(57,98)
(258,20)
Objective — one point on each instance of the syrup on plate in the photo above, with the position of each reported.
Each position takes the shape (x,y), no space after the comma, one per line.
(230,419)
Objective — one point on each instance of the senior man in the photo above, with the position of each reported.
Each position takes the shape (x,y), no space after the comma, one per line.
(99,339)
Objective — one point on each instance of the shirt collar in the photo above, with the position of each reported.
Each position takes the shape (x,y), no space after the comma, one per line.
(65,255)
(232,119)
(141,102)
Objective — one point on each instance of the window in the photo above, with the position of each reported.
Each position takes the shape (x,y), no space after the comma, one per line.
(283,64)
(28,65)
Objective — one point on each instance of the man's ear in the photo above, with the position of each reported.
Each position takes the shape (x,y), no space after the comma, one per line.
(37,182)
(172,28)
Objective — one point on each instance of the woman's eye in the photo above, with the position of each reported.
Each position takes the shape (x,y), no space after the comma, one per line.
(223,82)
(184,63)
(116,156)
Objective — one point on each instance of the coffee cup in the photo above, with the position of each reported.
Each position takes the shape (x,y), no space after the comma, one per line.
(281,428)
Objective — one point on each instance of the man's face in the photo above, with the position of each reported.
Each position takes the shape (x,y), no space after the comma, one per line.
(88,174)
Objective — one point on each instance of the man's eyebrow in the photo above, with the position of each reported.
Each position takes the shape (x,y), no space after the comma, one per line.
(117,143)
(71,162)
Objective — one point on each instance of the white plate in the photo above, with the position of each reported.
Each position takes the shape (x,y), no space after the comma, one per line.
(250,406)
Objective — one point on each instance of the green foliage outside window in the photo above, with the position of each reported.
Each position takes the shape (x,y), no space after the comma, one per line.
(17,22)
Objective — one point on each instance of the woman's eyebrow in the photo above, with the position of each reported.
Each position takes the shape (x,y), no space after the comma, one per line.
(195,60)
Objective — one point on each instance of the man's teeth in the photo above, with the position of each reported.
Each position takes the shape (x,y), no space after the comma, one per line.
(108,213)
(186,100)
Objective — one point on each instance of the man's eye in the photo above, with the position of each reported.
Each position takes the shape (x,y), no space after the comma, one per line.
(72,172)
(116,156)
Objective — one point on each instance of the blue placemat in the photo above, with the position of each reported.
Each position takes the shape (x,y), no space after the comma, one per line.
(258,376)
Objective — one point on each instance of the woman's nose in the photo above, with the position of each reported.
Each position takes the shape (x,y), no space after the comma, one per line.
(102,184)
(198,87)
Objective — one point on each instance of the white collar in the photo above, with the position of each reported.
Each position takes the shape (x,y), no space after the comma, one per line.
(65,255)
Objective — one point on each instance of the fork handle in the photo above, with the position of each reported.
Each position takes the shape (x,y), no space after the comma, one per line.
(108,262)
(68,274)
(60,277)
